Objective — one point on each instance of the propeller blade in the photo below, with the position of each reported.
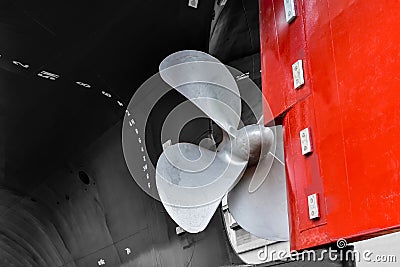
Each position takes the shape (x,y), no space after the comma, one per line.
(192,180)
(207,83)
(263,212)
(190,176)
(193,220)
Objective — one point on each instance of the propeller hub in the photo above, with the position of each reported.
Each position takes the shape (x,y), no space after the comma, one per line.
(252,143)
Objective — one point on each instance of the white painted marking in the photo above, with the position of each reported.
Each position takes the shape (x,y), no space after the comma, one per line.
(83,84)
(48,75)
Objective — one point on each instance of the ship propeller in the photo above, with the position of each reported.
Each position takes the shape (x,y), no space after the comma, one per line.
(192,179)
